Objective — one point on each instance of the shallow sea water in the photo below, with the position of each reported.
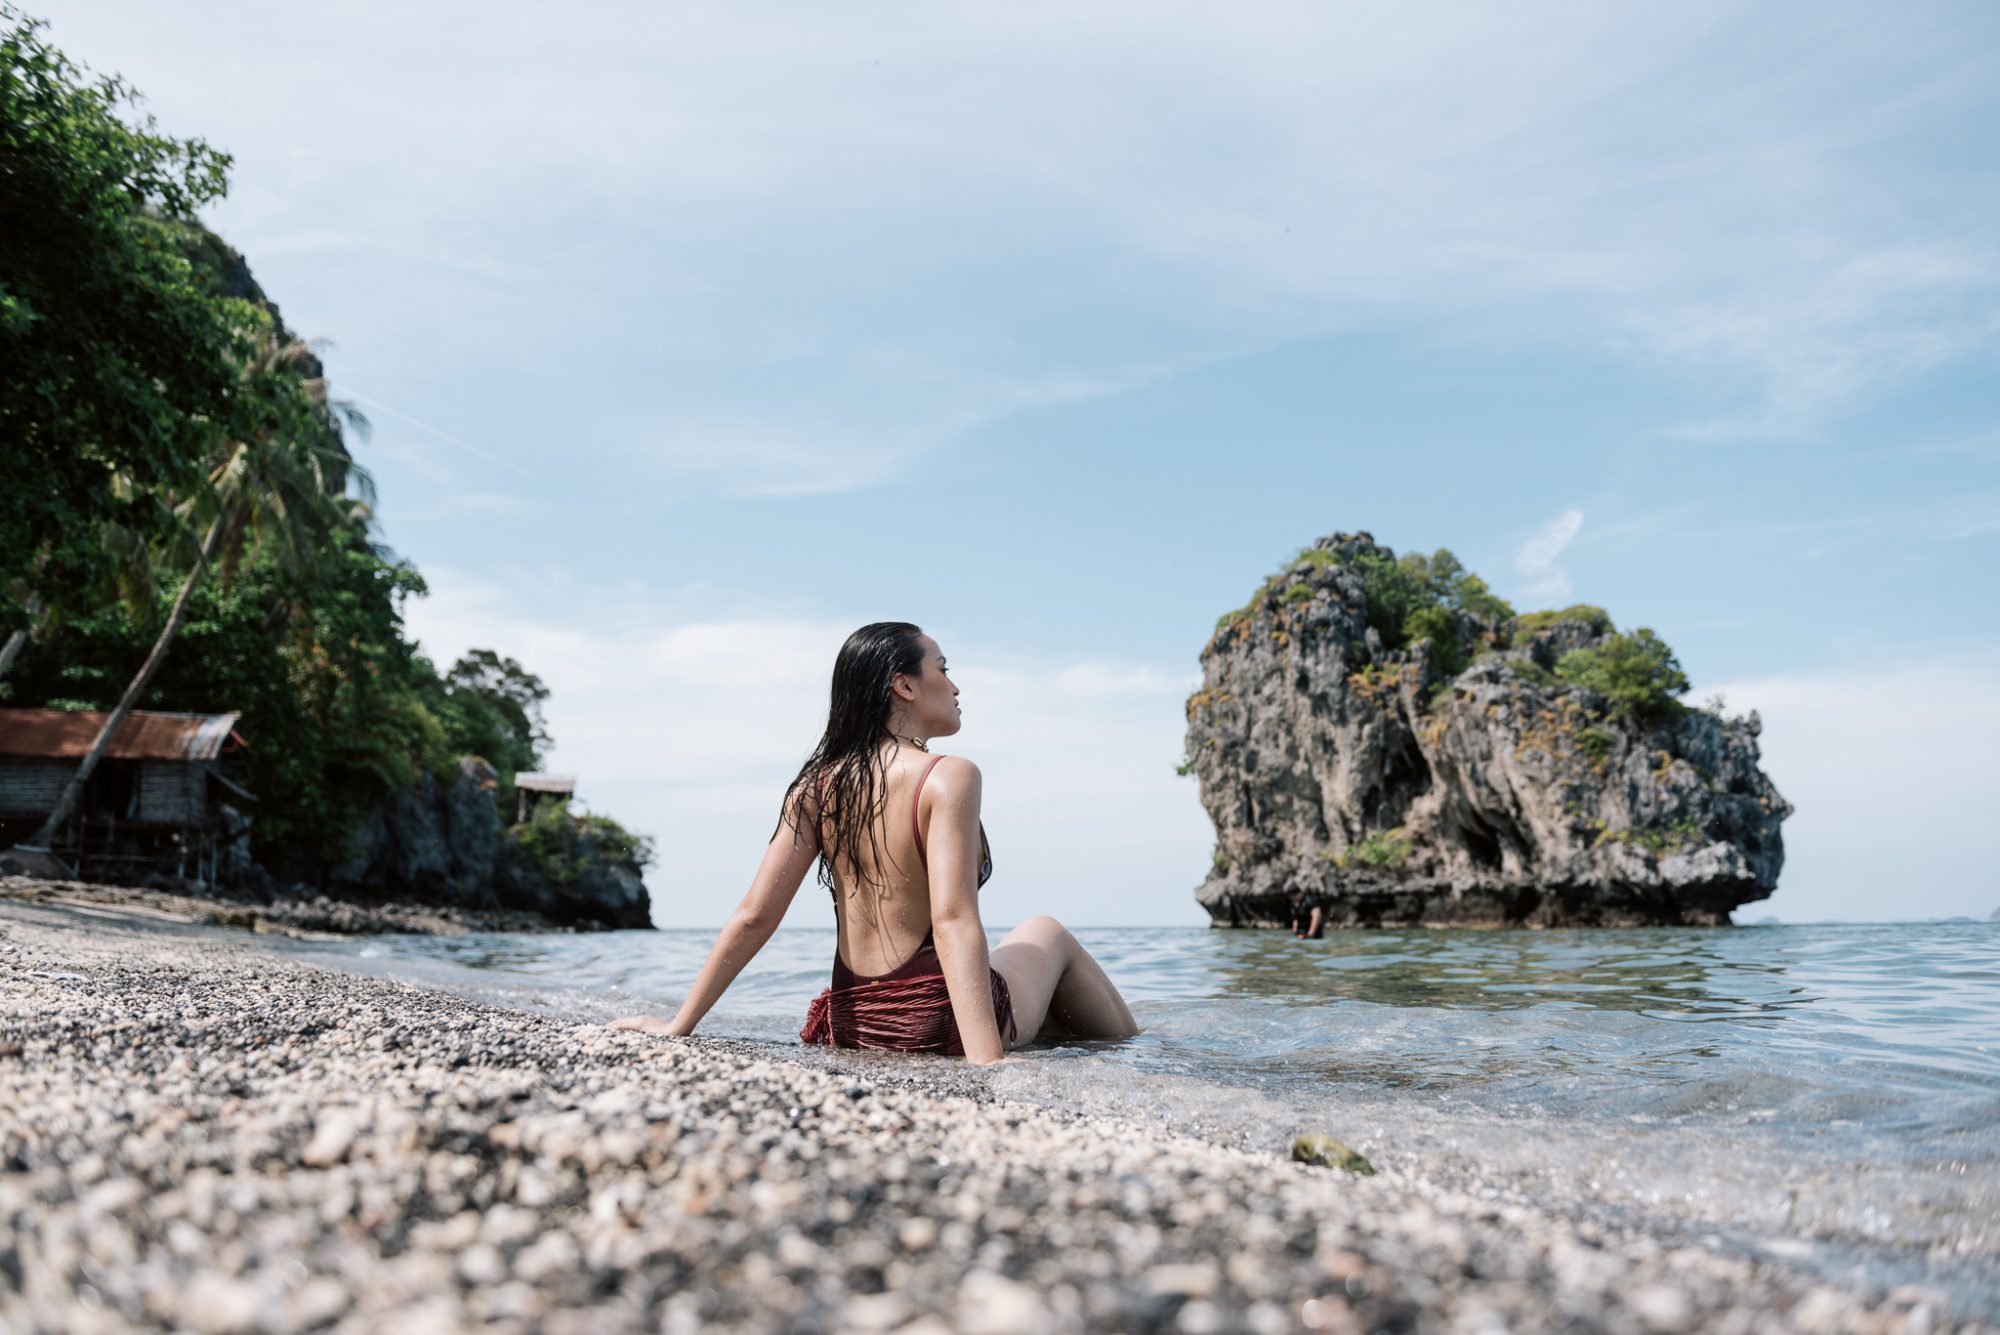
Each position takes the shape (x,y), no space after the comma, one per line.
(1829,1095)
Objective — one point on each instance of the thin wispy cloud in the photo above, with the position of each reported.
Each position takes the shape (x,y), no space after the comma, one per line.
(1816,342)
(435,432)
(950,202)
(1535,559)
(1109,291)
(804,458)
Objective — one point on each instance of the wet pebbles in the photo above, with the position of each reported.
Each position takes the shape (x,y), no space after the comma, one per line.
(196,1135)
(299,911)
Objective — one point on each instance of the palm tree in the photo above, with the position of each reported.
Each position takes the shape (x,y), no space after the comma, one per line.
(12,649)
(282,481)
(125,575)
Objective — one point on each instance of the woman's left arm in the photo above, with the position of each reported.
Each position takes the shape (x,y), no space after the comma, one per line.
(786,862)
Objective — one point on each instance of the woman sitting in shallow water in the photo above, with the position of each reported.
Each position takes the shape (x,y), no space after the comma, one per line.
(901,847)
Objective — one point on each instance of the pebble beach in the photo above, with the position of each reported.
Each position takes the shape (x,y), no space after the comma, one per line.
(196,1134)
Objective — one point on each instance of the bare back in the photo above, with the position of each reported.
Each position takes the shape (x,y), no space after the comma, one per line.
(884,916)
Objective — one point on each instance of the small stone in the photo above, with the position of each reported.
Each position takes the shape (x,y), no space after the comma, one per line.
(552,1253)
(1195,1280)
(1326,1152)
(874,1311)
(509,1223)
(1663,1308)
(1201,1318)
(316,1302)
(481,1264)
(333,1136)
(514,1300)
(114,1195)
(447,1235)
(991,1304)
(216,1305)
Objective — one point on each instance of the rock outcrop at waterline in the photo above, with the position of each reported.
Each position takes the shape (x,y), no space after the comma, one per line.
(444,844)
(1393,738)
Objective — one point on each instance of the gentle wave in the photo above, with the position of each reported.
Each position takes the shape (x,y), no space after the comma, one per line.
(1834,1082)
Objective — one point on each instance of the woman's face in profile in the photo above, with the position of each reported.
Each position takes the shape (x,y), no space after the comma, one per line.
(935,709)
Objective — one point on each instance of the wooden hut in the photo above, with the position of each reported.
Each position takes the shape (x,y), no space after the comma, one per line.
(531,790)
(166,795)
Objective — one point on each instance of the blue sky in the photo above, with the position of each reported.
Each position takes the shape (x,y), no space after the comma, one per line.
(695,335)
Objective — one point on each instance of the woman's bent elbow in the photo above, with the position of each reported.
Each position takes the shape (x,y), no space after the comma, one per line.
(754,924)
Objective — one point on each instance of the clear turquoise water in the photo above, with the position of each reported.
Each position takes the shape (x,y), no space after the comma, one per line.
(1832,1088)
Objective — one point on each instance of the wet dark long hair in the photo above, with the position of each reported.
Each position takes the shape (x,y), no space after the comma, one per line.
(847,772)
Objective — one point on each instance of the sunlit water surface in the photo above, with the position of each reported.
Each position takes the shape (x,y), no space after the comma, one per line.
(1827,1094)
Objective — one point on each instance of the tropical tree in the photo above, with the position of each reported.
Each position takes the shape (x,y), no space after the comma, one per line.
(122,572)
(281,485)
(495,705)
(116,351)
(11,650)
(1637,673)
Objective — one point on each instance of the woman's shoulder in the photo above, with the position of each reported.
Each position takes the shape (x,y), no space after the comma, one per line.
(954,772)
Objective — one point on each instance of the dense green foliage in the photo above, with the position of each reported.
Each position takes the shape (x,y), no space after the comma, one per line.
(492,707)
(1595,743)
(119,358)
(152,406)
(1659,840)
(1435,599)
(554,839)
(1534,623)
(1637,673)
(1417,597)
(340,710)
(1410,598)
(1379,850)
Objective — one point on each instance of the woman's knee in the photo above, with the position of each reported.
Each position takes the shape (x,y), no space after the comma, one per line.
(1045,932)
(1039,926)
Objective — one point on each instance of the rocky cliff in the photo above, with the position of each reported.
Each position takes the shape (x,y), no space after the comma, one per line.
(444,844)
(1387,734)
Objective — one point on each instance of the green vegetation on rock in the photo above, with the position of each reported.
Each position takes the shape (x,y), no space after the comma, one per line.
(1410,598)
(1659,840)
(1594,742)
(1400,739)
(1323,1151)
(1534,623)
(1637,673)
(1434,599)
(1379,850)
(1415,597)
(564,845)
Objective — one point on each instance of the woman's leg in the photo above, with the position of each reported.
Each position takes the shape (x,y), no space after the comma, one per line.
(1056,987)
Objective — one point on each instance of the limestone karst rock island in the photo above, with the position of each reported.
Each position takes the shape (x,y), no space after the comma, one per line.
(1387,734)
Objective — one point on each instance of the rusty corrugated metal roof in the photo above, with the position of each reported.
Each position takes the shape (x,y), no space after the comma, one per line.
(62,734)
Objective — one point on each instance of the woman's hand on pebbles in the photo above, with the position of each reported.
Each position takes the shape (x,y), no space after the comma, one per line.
(645,1024)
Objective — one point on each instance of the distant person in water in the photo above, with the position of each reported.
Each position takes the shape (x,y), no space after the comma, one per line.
(1308,918)
(900,845)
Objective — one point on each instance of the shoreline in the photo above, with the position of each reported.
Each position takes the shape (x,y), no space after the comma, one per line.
(198,1133)
(317,914)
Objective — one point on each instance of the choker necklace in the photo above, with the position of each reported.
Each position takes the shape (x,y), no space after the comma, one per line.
(913,741)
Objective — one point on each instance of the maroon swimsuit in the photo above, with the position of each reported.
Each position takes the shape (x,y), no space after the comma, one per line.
(907,1009)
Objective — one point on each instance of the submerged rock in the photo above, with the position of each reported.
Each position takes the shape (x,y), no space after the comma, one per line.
(1326,1152)
(1392,738)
